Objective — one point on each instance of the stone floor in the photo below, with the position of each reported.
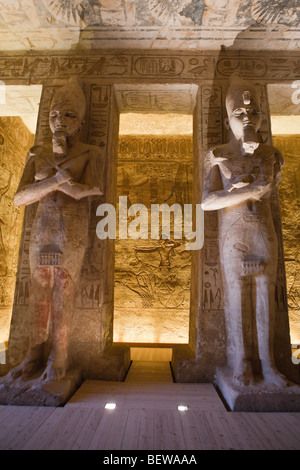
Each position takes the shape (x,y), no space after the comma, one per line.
(146,417)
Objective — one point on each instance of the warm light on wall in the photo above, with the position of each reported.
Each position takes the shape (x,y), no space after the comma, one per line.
(15,140)
(155,124)
(285,125)
(152,276)
(289,197)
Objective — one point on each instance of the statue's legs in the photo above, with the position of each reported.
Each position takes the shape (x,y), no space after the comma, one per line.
(63,305)
(54,295)
(248,251)
(250,311)
(240,324)
(41,288)
(64,228)
(265,319)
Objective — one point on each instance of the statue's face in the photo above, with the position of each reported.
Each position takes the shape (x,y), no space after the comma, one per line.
(64,119)
(243,115)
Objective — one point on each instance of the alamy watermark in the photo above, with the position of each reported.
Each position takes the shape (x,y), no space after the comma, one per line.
(2,353)
(296,93)
(2,92)
(133,222)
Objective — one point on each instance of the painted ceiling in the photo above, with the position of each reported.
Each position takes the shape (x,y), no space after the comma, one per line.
(28,25)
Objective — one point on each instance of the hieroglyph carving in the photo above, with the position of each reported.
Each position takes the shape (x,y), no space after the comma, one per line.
(125,65)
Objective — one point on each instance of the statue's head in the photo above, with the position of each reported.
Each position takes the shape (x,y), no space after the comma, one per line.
(68,108)
(243,111)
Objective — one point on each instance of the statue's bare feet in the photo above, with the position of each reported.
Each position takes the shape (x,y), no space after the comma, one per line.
(56,367)
(31,364)
(272,376)
(243,373)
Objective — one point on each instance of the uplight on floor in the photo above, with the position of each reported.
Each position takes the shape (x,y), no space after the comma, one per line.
(182,408)
(110,406)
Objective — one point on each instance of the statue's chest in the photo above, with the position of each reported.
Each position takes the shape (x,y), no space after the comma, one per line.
(46,167)
(234,168)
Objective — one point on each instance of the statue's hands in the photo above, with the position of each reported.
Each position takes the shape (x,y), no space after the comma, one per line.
(242,181)
(63,176)
(261,187)
(256,186)
(43,173)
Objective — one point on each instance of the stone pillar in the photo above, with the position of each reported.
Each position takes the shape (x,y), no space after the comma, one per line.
(93,350)
(207,333)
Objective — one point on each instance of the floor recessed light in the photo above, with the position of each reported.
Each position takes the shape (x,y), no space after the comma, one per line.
(182,408)
(110,406)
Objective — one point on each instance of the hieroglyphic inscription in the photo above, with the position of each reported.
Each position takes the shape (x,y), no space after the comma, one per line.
(158,66)
(212,134)
(36,68)
(212,118)
(269,67)
(156,99)
(90,289)
(136,148)
(255,68)
(43,133)
(99,110)
(200,67)
(265,129)
(23,278)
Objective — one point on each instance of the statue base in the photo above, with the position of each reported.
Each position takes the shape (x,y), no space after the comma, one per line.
(263,397)
(39,392)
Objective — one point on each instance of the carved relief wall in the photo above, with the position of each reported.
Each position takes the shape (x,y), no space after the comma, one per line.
(152,277)
(289,196)
(15,140)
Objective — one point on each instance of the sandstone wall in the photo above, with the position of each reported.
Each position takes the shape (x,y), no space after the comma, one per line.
(15,140)
(289,196)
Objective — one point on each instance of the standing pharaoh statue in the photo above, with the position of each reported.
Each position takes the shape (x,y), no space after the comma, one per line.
(239,179)
(60,178)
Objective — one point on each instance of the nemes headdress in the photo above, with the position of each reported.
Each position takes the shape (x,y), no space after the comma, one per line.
(72,92)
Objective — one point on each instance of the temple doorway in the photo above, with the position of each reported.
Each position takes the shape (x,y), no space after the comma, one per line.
(152,266)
